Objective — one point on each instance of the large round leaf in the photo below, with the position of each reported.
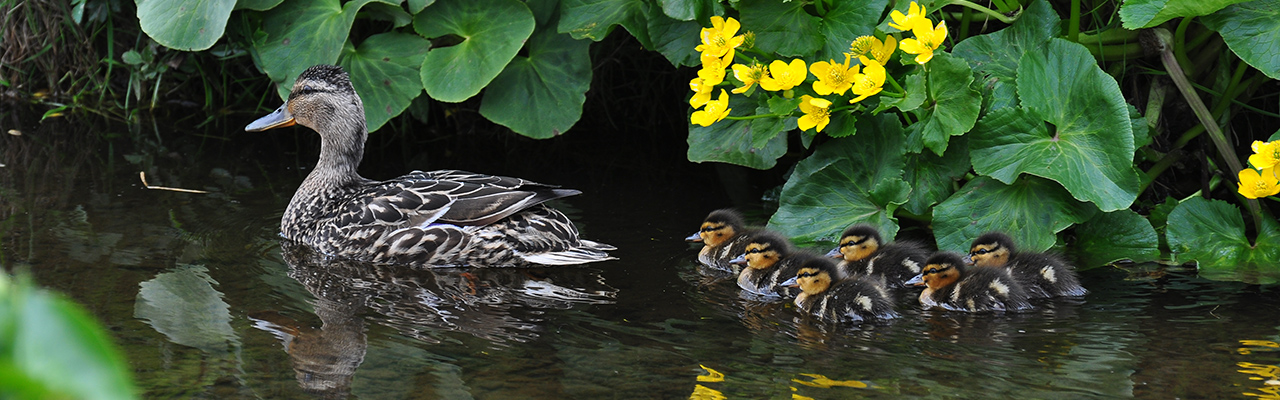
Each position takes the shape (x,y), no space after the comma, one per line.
(1211,232)
(1252,31)
(846,181)
(1114,236)
(932,177)
(952,109)
(594,19)
(1087,145)
(492,32)
(1139,14)
(1032,210)
(994,56)
(675,40)
(730,141)
(846,21)
(303,33)
(541,96)
(384,71)
(782,27)
(187,25)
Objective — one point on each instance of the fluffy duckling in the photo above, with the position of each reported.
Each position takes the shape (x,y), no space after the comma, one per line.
(856,299)
(1043,275)
(723,236)
(770,260)
(949,285)
(863,251)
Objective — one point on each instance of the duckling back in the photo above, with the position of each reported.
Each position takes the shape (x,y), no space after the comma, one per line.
(896,263)
(1046,275)
(770,260)
(983,289)
(856,299)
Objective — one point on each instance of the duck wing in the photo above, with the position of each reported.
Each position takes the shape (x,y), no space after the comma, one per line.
(451,197)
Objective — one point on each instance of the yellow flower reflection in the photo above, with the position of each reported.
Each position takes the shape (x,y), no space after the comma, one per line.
(711,376)
(1266,154)
(1255,184)
(718,39)
(820,381)
(705,393)
(832,77)
(1268,374)
(870,81)
(748,75)
(927,39)
(815,113)
(701,93)
(905,22)
(716,110)
(784,76)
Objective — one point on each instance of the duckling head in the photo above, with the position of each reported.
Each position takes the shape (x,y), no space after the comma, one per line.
(942,269)
(323,99)
(991,250)
(764,250)
(718,227)
(857,242)
(813,277)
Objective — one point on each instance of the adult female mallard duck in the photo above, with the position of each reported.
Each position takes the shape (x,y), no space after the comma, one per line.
(858,298)
(948,284)
(1043,274)
(435,218)
(770,260)
(723,236)
(863,251)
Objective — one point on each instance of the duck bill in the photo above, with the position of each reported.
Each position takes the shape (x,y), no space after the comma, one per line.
(793,282)
(739,260)
(696,237)
(279,118)
(918,280)
(835,253)
(968,259)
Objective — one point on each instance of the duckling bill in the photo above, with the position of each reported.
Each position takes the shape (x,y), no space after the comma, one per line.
(770,260)
(435,218)
(723,235)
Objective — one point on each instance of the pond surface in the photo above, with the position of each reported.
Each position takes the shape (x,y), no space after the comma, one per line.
(204,301)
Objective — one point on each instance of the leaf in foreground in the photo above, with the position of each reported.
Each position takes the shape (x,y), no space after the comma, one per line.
(1211,232)
(1115,236)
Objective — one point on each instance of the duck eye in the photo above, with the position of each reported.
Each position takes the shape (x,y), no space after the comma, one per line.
(306,89)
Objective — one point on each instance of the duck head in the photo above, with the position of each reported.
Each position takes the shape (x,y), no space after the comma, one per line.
(813,277)
(323,99)
(990,250)
(718,227)
(764,250)
(941,270)
(857,242)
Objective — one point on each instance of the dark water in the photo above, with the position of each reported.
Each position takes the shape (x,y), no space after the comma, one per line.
(197,291)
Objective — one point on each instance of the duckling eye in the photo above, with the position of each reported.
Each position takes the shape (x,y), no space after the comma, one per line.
(981,252)
(806,274)
(755,251)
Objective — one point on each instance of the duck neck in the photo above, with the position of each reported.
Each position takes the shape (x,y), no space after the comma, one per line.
(341,150)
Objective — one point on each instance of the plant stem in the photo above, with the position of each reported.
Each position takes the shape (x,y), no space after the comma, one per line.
(1073,24)
(894,82)
(757,116)
(1109,36)
(993,13)
(1160,166)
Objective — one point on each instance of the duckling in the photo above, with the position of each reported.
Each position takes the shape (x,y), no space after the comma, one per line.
(770,260)
(434,218)
(723,236)
(1043,274)
(949,285)
(858,298)
(863,251)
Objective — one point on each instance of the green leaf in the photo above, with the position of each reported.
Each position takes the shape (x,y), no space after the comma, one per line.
(594,19)
(492,31)
(1211,232)
(1139,14)
(1141,131)
(765,130)
(782,105)
(416,6)
(384,71)
(187,25)
(913,99)
(691,10)
(257,5)
(1252,31)
(954,107)
(730,140)
(994,56)
(1032,210)
(846,181)
(541,96)
(1115,236)
(303,33)
(387,12)
(782,27)
(932,177)
(675,40)
(842,125)
(846,21)
(52,348)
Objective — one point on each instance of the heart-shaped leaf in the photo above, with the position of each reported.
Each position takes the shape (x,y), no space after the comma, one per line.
(1087,143)
(303,33)
(384,71)
(1211,232)
(594,19)
(846,181)
(1139,14)
(492,31)
(994,56)
(1032,210)
(782,27)
(730,140)
(932,177)
(1114,236)
(846,21)
(953,109)
(541,96)
(1252,31)
(187,25)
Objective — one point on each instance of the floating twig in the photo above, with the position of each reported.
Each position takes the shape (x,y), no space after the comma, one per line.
(143,175)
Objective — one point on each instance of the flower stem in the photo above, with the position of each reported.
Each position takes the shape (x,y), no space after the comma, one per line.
(757,116)
(993,13)
(894,82)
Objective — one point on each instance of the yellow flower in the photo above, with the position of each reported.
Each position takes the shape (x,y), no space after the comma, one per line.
(783,76)
(832,77)
(905,22)
(1267,154)
(748,75)
(862,45)
(701,92)
(719,39)
(1254,184)
(870,81)
(713,68)
(880,51)
(716,110)
(815,113)
(926,41)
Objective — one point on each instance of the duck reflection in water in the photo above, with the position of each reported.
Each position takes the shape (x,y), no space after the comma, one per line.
(495,304)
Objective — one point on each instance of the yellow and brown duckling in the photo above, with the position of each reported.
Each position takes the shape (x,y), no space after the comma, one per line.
(770,260)
(863,251)
(723,236)
(435,218)
(1042,274)
(948,284)
(859,298)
